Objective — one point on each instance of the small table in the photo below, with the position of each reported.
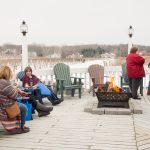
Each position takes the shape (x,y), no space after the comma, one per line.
(35,92)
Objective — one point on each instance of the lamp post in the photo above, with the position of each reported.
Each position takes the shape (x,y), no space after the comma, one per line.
(24,55)
(130,33)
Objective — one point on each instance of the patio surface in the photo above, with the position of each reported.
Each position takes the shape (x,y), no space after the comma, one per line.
(68,127)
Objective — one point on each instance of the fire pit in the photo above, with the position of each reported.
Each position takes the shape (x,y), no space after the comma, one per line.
(113,99)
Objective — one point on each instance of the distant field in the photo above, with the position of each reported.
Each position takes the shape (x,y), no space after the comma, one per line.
(41,60)
(37,60)
(121,60)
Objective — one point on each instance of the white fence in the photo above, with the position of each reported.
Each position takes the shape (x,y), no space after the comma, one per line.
(48,77)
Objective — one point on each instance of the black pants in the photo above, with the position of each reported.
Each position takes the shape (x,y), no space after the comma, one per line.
(36,95)
(33,101)
(53,96)
(134,84)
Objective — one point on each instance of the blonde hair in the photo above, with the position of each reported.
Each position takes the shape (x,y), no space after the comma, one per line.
(5,73)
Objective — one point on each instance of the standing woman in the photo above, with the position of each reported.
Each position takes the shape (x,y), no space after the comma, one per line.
(135,71)
(8,95)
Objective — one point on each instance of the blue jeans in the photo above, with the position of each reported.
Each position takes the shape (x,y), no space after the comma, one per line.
(23,113)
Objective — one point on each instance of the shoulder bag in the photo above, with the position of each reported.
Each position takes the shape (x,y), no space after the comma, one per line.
(13,111)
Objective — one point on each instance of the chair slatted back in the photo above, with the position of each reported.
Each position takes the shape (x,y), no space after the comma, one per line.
(62,71)
(124,70)
(20,75)
(124,73)
(96,71)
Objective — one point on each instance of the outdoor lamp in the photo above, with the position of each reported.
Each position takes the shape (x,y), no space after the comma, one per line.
(24,51)
(23,28)
(130,31)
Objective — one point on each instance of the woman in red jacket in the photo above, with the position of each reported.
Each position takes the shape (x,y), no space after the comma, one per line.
(135,71)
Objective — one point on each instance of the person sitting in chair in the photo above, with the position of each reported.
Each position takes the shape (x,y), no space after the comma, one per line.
(30,80)
(8,95)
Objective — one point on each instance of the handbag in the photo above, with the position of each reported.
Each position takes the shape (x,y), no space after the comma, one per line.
(126,78)
(13,111)
(44,89)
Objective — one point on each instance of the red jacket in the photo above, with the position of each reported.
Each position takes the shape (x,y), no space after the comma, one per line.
(134,66)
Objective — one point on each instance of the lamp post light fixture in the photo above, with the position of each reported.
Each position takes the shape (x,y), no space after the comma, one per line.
(130,33)
(24,54)
(23,28)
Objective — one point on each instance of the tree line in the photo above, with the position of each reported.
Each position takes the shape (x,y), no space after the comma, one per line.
(89,50)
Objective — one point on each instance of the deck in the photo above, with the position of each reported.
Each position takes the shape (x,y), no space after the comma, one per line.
(69,127)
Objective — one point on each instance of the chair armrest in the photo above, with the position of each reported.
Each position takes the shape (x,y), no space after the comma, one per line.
(60,79)
(77,77)
(106,76)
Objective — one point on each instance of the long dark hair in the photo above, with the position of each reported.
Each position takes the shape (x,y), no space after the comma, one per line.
(28,68)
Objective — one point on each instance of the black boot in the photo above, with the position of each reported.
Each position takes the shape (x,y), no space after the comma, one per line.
(42,113)
(56,102)
(43,108)
(53,100)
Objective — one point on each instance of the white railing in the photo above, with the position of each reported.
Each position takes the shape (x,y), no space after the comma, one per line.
(48,77)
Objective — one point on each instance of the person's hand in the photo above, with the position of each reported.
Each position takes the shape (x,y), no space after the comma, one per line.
(22,93)
(35,86)
(16,85)
(26,85)
(43,82)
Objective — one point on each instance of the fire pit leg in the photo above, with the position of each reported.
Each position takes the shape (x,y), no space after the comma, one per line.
(99,104)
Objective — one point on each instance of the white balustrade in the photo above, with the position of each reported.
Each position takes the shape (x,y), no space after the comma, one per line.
(47,75)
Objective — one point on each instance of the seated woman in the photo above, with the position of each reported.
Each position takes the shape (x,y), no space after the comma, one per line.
(40,108)
(30,80)
(8,96)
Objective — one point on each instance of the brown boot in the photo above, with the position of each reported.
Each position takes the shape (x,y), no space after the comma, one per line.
(25,129)
(15,131)
(19,131)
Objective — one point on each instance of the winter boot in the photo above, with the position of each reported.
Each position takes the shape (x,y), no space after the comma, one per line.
(43,108)
(42,113)
(54,101)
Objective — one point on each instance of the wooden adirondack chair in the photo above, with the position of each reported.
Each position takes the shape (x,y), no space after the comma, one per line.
(125,81)
(20,75)
(64,82)
(96,73)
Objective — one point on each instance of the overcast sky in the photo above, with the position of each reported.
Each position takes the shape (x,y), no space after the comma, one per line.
(70,22)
